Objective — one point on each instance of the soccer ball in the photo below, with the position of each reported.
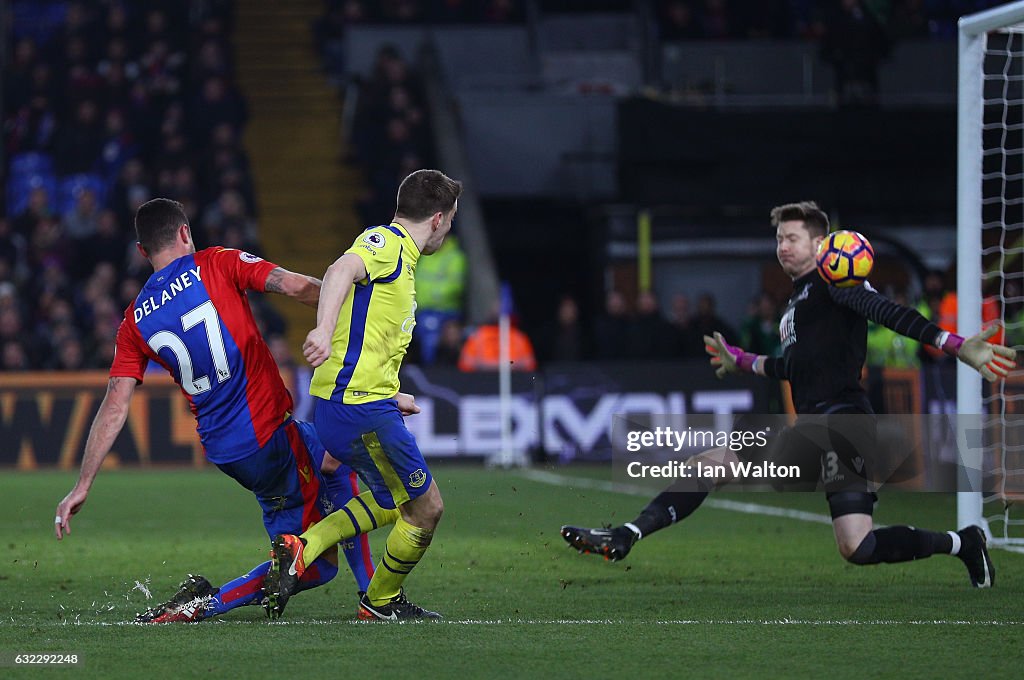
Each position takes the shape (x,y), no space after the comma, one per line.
(845,259)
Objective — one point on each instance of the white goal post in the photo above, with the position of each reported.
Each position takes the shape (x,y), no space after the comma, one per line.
(990,242)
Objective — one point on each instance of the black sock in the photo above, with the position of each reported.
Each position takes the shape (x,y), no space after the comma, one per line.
(667,508)
(901,544)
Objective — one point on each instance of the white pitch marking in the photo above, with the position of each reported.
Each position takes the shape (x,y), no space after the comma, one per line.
(556,479)
(635,490)
(566,622)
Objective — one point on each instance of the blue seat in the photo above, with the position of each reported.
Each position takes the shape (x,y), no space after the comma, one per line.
(37,19)
(73,185)
(19,188)
(31,163)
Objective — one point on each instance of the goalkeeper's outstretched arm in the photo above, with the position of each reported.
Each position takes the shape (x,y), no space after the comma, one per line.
(993,361)
(727,359)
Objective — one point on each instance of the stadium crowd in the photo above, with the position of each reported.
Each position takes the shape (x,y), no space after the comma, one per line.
(676,19)
(106,105)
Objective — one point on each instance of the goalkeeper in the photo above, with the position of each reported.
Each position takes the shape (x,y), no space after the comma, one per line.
(824,342)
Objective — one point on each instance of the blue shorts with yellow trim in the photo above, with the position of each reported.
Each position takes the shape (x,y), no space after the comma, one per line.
(285,477)
(373,440)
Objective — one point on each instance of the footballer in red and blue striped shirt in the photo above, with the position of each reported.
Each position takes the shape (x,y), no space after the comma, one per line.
(193,318)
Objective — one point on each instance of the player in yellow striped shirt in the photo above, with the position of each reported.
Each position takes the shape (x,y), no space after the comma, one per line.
(364,324)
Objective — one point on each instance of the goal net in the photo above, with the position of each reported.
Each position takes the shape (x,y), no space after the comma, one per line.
(990,257)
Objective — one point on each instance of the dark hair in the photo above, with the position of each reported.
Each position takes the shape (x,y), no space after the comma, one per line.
(426,192)
(814,218)
(157,222)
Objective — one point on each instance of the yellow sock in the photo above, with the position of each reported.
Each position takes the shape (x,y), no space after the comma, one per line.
(406,545)
(360,515)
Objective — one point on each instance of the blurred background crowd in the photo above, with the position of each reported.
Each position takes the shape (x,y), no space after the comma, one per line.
(107,104)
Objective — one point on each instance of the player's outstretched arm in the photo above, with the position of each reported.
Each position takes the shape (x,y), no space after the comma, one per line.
(337,284)
(305,289)
(728,359)
(105,427)
(991,360)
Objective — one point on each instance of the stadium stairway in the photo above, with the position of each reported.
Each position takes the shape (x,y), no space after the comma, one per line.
(305,193)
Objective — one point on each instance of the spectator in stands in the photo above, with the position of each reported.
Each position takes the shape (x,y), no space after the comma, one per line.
(716,20)
(440,288)
(77,24)
(13,252)
(217,103)
(855,45)
(229,209)
(83,221)
(565,339)
(888,349)
(908,20)
(115,23)
(81,81)
(329,33)
(131,190)
(55,320)
(32,127)
(70,355)
(707,321)
(235,234)
(117,89)
(301,375)
(481,351)
(225,167)
(38,208)
(761,327)
(18,73)
(450,346)
(401,11)
(686,341)
(211,62)
(765,19)
(371,118)
(47,246)
(77,145)
(128,291)
(8,295)
(502,11)
(15,358)
(678,22)
(12,330)
(610,328)
(174,151)
(118,146)
(930,307)
(648,334)
(162,73)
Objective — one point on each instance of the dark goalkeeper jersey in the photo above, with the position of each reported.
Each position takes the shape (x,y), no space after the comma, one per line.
(824,340)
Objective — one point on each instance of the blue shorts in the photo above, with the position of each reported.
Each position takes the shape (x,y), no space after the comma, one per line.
(372,440)
(285,476)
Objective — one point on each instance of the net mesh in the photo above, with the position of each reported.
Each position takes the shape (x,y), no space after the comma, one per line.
(1003,269)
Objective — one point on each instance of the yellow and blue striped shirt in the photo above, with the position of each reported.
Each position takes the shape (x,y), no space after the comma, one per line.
(376,321)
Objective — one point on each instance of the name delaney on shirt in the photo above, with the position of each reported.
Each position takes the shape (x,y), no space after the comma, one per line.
(150,305)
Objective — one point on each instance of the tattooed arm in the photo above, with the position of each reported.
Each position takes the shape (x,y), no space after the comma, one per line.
(305,289)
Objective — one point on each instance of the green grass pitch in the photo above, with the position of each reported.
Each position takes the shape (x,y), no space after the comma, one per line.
(725,594)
